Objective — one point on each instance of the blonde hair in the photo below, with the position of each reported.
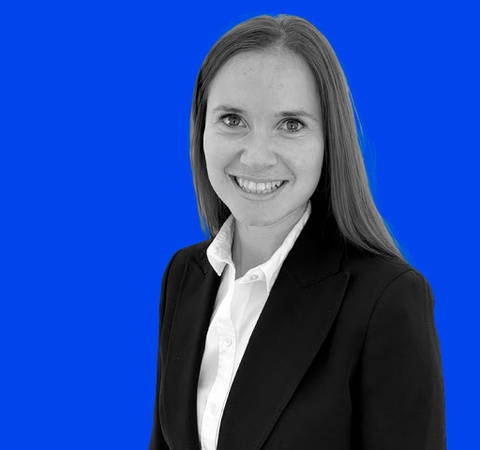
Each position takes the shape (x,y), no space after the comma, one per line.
(343,186)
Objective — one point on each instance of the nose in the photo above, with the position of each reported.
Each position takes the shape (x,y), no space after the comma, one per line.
(258,152)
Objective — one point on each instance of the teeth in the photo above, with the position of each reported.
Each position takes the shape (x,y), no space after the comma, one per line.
(258,188)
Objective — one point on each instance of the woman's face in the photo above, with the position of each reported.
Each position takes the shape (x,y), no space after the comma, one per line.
(263,137)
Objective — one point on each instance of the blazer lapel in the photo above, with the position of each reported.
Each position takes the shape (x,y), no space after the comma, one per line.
(190,324)
(289,333)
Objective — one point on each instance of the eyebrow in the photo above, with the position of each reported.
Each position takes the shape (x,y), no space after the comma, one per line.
(290,113)
(297,113)
(229,109)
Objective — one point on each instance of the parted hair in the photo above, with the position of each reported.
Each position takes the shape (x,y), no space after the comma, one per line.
(343,186)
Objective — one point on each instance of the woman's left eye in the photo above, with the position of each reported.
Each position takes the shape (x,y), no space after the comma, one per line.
(292,125)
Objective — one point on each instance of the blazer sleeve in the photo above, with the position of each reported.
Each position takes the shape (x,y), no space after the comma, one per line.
(157,440)
(401,398)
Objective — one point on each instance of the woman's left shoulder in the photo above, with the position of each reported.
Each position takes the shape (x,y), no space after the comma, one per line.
(379,274)
(388,312)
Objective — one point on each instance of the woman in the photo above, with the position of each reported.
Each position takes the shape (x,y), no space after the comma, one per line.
(298,325)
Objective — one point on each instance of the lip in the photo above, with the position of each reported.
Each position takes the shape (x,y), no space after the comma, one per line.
(257,197)
(258,180)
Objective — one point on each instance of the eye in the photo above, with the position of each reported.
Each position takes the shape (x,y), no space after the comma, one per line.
(231,120)
(292,125)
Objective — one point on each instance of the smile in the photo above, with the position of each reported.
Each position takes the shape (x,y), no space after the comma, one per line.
(258,188)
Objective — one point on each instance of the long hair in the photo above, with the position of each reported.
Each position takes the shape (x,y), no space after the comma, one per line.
(343,185)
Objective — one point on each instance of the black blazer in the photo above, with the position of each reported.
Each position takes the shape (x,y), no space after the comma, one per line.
(345,354)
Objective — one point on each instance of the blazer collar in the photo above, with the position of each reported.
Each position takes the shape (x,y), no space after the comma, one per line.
(293,325)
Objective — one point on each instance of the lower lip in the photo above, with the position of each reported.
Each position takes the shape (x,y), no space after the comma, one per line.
(251,195)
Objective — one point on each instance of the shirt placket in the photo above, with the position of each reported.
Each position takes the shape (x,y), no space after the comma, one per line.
(226,361)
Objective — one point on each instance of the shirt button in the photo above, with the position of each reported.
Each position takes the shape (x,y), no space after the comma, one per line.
(228,342)
(254,277)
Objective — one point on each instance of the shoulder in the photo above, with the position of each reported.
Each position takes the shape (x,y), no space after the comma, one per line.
(196,253)
(379,287)
(389,309)
(397,363)
(379,272)
(176,267)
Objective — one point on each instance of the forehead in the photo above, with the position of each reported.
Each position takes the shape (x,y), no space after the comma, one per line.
(274,78)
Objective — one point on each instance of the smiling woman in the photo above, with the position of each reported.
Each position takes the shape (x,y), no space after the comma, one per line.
(263,139)
(298,324)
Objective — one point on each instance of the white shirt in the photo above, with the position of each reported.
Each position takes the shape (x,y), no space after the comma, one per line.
(237,308)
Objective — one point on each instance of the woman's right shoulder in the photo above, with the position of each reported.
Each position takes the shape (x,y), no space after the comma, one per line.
(195,253)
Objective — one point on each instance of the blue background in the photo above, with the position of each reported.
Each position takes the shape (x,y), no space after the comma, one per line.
(96,191)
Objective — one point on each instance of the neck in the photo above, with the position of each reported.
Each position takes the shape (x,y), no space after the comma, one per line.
(254,245)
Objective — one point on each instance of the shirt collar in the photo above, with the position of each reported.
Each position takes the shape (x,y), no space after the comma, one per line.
(219,252)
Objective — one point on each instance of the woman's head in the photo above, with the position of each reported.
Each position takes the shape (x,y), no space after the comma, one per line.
(294,42)
(263,138)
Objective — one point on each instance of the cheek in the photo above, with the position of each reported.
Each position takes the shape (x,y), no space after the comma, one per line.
(308,161)
(210,149)
(215,158)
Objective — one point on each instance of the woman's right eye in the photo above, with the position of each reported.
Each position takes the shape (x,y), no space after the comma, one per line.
(231,120)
